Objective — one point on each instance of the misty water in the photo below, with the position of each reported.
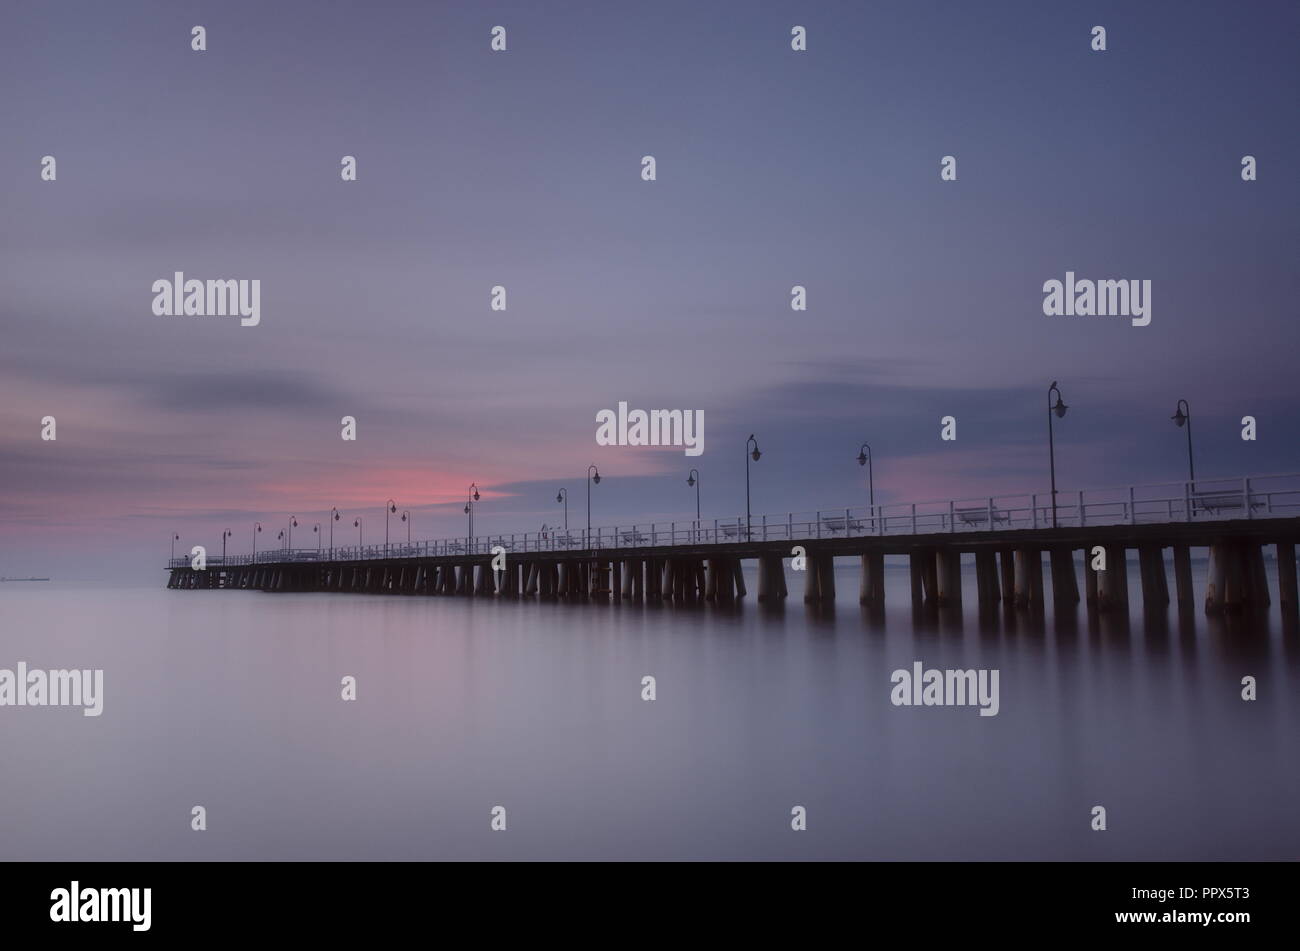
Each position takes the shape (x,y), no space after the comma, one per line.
(231,700)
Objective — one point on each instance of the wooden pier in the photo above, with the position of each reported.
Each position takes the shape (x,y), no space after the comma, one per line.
(694,561)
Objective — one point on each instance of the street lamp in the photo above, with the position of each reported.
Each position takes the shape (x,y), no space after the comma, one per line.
(293,523)
(469,509)
(320,538)
(389,509)
(224,535)
(593,475)
(563,496)
(694,479)
(175,539)
(864,459)
(755,455)
(335,513)
(1059,410)
(257,527)
(406,517)
(360,540)
(1183,416)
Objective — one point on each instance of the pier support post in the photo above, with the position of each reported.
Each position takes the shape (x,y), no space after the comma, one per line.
(1183,575)
(1155,587)
(986,576)
(1113,582)
(1007,570)
(916,572)
(1286,577)
(1065,583)
(948,575)
(1259,598)
(1027,564)
(872,590)
(811,580)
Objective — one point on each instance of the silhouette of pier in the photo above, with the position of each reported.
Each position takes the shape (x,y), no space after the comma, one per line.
(697,560)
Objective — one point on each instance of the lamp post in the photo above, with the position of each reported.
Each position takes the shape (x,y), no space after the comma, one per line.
(1183,417)
(335,513)
(360,538)
(755,456)
(593,475)
(864,459)
(1059,410)
(175,539)
(293,523)
(406,517)
(694,479)
(224,535)
(469,510)
(257,527)
(563,496)
(320,538)
(389,509)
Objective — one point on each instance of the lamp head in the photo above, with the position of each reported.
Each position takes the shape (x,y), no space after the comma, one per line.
(559,496)
(392,508)
(690,480)
(596,478)
(1179,418)
(862,458)
(755,454)
(336,515)
(466,508)
(476,495)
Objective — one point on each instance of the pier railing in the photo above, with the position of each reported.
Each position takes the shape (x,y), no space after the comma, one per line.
(1266,496)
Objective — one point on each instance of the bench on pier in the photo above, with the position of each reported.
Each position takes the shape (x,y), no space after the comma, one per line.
(979,515)
(633,538)
(835,524)
(1213,503)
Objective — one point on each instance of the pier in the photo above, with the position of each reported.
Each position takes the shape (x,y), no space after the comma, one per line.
(1006,537)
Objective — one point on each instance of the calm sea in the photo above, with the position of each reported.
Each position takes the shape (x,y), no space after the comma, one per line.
(231,701)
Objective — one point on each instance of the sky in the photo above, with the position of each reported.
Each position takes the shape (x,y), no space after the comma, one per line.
(523,169)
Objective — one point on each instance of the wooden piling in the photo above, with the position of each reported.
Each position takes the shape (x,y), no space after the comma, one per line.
(1183,575)
(1065,583)
(1286,577)
(1112,592)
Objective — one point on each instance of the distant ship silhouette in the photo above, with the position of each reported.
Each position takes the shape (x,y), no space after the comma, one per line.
(24,579)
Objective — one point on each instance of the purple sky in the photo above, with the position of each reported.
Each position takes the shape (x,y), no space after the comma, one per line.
(522,168)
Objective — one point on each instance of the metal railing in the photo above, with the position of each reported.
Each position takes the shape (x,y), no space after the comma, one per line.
(1266,496)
